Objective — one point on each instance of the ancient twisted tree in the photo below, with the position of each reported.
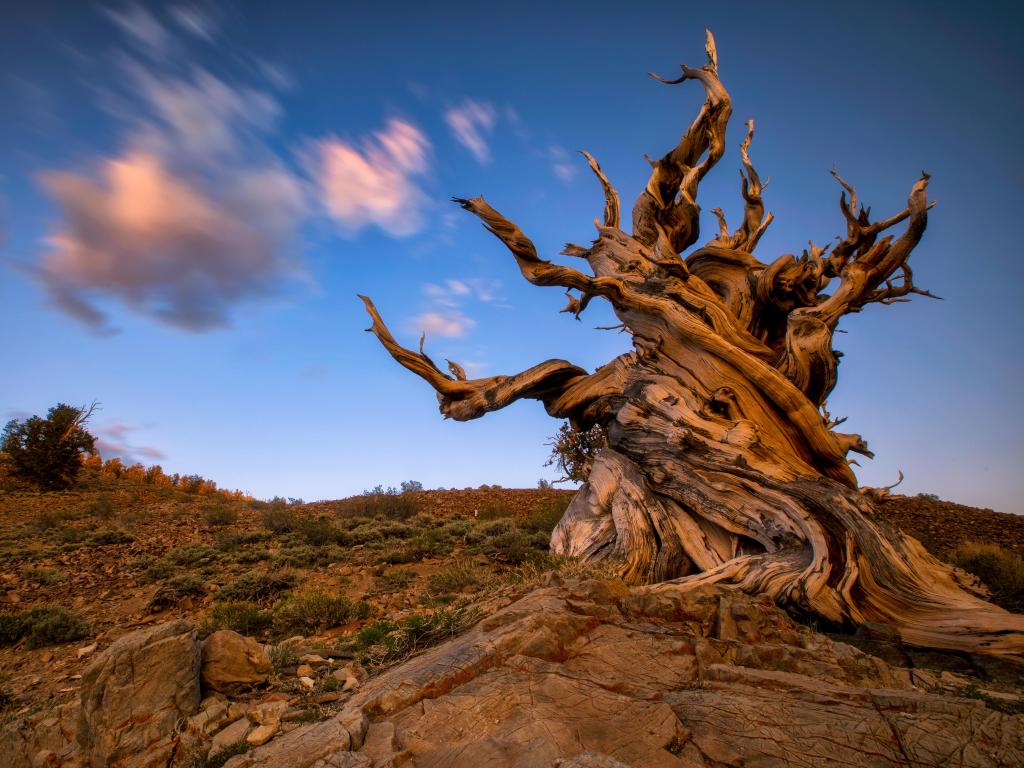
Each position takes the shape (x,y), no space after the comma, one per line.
(723,464)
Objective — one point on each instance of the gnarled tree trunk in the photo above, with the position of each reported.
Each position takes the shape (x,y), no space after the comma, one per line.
(723,464)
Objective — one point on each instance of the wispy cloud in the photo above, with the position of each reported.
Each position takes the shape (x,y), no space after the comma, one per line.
(164,246)
(452,292)
(200,21)
(471,122)
(561,164)
(194,215)
(113,441)
(446,316)
(374,182)
(451,323)
(141,28)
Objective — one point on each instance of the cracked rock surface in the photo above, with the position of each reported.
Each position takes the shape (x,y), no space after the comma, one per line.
(598,674)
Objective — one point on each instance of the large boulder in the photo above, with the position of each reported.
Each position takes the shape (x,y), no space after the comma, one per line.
(232,663)
(135,693)
(598,675)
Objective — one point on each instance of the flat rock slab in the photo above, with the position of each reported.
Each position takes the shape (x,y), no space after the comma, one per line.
(598,674)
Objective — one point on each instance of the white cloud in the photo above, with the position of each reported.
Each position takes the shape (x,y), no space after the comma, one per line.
(195,20)
(192,216)
(560,163)
(375,183)
(450,323)
(112,441)
(164,246)
(142,29)
(471,122)
(454,291)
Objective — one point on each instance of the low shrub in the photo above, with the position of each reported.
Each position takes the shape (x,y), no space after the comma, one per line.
(394,580)
(51,519)
(231,541)
(388,503)
(455,578)
(106,536)
(319,532)
(1001,570)
(220,758)
(308,557)
(192,556)
(102,507)
(315,610)
(242,617)
(386,642)
(46,576)
(42,625)
(278,518)
(220,514)
(257,587)
(175,589)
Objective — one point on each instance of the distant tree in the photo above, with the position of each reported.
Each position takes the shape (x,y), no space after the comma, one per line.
(48,452)
(543,484)
(574,450)
(411,486)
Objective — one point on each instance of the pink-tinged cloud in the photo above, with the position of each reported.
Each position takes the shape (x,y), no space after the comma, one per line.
(374,183)
(112,441)
(162,244)
(471,122)
(448,323)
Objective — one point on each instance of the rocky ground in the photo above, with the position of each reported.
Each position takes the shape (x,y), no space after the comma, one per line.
(353,606)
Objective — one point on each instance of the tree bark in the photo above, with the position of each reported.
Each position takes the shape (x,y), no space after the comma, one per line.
(723,464)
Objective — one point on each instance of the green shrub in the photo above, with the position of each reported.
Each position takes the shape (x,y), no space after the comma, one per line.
(175,589)
(308,557)
(504,541)
(452,579)
(218,760)
(220,514)
(192,556)
(230,541)
(315,610)
(242,617)
(277,518)
(385,642)
(43,625)
(48,452)
(257,587)
(107,536)
(1002,572)
(544,518)
(395,580)
(423,545)
(319,532)
(6,697)
(47,576)
(53,519)
(387,503)
(101,507)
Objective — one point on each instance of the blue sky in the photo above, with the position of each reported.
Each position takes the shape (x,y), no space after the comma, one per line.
(192,195)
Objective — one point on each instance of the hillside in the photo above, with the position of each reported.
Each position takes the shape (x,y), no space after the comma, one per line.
(375,577)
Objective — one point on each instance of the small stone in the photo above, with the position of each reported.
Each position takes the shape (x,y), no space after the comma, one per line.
(307,682)
(262,734)
(86,650)
(233,734)
(267,713)
(312,659)
(304,670)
